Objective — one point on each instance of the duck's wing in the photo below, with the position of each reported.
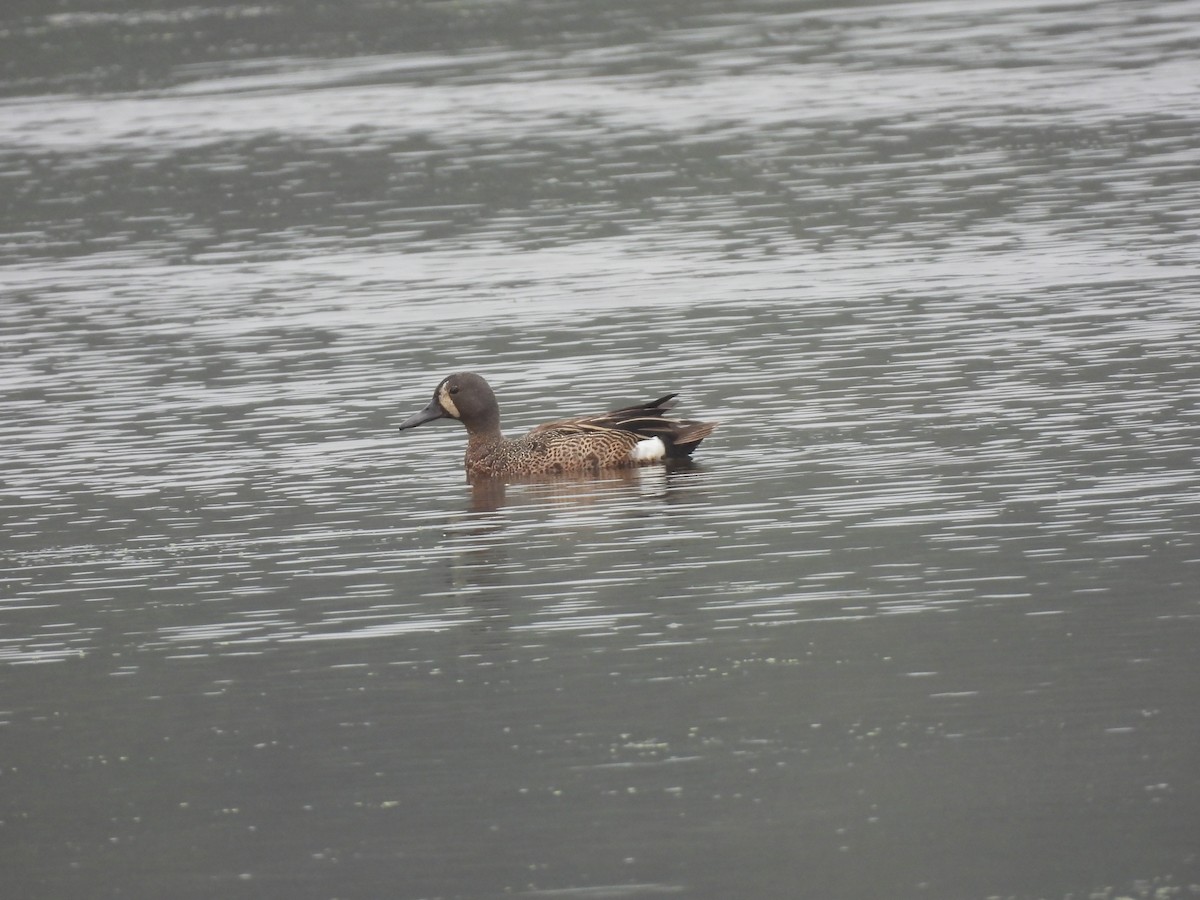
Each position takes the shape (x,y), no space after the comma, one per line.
(629,418)
(629,426)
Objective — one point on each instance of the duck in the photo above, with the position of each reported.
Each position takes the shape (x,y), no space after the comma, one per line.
(620,439)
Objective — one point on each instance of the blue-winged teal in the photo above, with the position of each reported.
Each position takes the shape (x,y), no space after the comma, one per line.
(634,436)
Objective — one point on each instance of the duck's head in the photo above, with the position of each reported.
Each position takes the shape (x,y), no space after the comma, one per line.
(464,396)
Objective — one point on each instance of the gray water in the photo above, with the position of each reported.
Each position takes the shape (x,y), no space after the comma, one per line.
(922,622)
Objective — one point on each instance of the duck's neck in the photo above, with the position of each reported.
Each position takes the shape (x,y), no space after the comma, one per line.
(483,435)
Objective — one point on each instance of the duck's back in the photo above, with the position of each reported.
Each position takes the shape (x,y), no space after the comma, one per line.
(632,436)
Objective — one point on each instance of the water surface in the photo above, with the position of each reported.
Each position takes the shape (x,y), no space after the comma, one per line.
(921,622)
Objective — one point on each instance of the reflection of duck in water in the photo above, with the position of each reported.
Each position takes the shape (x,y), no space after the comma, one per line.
(634,436)
(578,490)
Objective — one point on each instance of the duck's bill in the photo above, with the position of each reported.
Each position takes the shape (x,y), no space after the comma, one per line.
(428,414)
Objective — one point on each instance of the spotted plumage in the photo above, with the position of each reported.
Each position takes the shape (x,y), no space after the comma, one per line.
(633,436)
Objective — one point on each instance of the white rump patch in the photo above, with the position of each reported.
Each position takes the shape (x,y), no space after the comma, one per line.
(649,450)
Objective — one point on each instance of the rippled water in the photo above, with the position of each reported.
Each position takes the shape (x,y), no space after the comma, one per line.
(922,622)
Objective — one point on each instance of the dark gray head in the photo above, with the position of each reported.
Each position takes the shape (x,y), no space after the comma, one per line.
(465,397)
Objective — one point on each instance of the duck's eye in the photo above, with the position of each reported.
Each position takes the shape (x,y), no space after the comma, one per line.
(454,390)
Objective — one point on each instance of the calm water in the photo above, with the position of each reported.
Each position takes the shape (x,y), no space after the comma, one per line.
(923,622)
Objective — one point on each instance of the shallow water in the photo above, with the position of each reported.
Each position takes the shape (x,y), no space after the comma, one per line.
(921,621)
